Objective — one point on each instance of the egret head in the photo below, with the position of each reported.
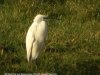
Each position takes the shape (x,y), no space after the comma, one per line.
(40,18)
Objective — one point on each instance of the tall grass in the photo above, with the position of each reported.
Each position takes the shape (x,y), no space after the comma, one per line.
(73,42)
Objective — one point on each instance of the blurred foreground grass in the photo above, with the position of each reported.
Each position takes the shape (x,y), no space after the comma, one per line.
(73,43)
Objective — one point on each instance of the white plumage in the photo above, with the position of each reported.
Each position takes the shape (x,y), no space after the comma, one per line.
(35,37)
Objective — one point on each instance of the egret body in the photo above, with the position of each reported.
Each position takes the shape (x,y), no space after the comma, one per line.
(35,37)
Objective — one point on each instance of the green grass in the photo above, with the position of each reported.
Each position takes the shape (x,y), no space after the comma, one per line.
(73,42)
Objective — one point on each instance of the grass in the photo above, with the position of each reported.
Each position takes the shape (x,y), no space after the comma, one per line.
(73,42)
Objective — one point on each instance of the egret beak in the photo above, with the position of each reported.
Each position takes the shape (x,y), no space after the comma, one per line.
(49,17)
(46,17)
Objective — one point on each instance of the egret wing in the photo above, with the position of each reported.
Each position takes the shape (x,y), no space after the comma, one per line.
(29,43)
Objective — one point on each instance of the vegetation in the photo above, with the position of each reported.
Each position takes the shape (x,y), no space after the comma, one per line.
(73,42)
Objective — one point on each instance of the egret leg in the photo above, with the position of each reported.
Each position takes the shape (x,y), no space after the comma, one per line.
(36,63)
(30,66)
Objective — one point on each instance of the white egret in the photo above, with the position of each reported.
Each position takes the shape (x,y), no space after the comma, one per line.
(35,37)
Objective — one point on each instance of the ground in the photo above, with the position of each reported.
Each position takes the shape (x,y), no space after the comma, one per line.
(73,43)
